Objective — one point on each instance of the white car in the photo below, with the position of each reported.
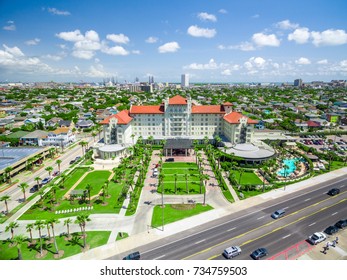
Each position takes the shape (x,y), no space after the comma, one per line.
(231,252)
(317,237)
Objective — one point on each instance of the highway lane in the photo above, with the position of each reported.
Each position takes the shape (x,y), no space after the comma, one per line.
(196,240)
(17,195)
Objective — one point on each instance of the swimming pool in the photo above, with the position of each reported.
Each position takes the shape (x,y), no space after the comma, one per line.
(291,164)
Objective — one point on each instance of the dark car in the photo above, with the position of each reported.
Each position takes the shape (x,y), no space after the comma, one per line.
(259,253)
(331,230)
(45,181)
(333,191)
(35,188)
(77,158)
(72,161)
(133,256)
(55,173)
(341,224)
(170,159)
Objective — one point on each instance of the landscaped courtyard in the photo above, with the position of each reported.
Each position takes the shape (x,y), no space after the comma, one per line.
(183,176)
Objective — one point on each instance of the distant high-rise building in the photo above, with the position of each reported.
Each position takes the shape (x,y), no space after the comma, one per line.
(298,83)
(184,80)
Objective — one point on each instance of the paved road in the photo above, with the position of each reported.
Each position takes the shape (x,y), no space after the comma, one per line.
(308,211)
(17,195)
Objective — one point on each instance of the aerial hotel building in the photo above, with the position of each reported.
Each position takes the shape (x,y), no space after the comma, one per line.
(177,119)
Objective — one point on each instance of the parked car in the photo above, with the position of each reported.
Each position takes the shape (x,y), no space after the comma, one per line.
(331,230)
(170,159)
(259,253)
(56,173)
(317,237)
(231,252)
(46,180)
(77,158)
(278,214)
(334,191)
(35,188)
(72,161)
(133,256)
(341,224)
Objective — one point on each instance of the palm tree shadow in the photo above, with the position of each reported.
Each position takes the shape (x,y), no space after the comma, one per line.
(75,240)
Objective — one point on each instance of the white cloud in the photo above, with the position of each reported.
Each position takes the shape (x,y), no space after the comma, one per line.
(118,38)
(136,52)
(226,72)
(207,17)
(169,47)
(52,57)
(151,40)
(71,36)
(13,51)
(97,71)
(57,12)
(10,26)
(208,66)
(300,35)
(116,50)
(329,37)
(243,46)
(261,39)
(256,16)
(286,24)
(84,54)
(303,61)
(223,11)
(196,31)
(323,61)
(33,42)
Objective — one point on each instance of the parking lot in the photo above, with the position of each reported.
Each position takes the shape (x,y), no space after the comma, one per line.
(318,142)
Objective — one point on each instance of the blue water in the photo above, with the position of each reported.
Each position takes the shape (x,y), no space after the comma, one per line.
(291,164)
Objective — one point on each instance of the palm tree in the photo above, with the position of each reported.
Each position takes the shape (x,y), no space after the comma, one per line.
(19,240)
(8,173)
(41,193)
(49,169)
(67,223)
(29,228)
(82,220)
(23,187)
(11,227)
(175,177)
(39,225)
(132,137)
(38,179)
(186,176)
(94,135)
(217,140)
(51,152)
(47,224)
(89,188)
(241,172)
(5,198)
(205,177)
(58,162)
(83,145)
(52,222)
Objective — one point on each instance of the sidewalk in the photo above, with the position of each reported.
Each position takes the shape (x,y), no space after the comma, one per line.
(151,234)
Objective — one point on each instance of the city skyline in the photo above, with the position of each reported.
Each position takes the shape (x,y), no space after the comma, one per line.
(224,41)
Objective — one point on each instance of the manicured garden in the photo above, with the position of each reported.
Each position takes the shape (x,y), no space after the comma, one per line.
(247,178)
(72,246)
(95,179)
(176,212)
(183,176)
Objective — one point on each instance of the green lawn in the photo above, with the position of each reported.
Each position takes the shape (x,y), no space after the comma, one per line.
(247,178)
(70,247)
(74,176)
(337,165)
(96,179)
(172,215)
(181,168)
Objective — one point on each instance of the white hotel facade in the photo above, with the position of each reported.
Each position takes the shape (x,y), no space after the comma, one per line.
(176,118)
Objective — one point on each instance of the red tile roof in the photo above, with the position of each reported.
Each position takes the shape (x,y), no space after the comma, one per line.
(312,124)
(207,109)
(228,104)
(122,117)
(234,117)
(150,109)
(177,100)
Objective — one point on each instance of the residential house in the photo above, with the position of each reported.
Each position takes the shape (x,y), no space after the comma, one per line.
(84,124)
(67,123)
(62,136)
(53,122)
(34,138)
(6,124)
(35,121)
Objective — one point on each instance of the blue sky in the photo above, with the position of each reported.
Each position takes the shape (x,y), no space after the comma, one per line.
(211,40)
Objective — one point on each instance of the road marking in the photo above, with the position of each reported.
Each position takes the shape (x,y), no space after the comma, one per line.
(200,241)
(286,236)
(312,224)
(307,199)
(159,257)
(334,213)
(268,233)
(286,207)
(261,217)
(231,229)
